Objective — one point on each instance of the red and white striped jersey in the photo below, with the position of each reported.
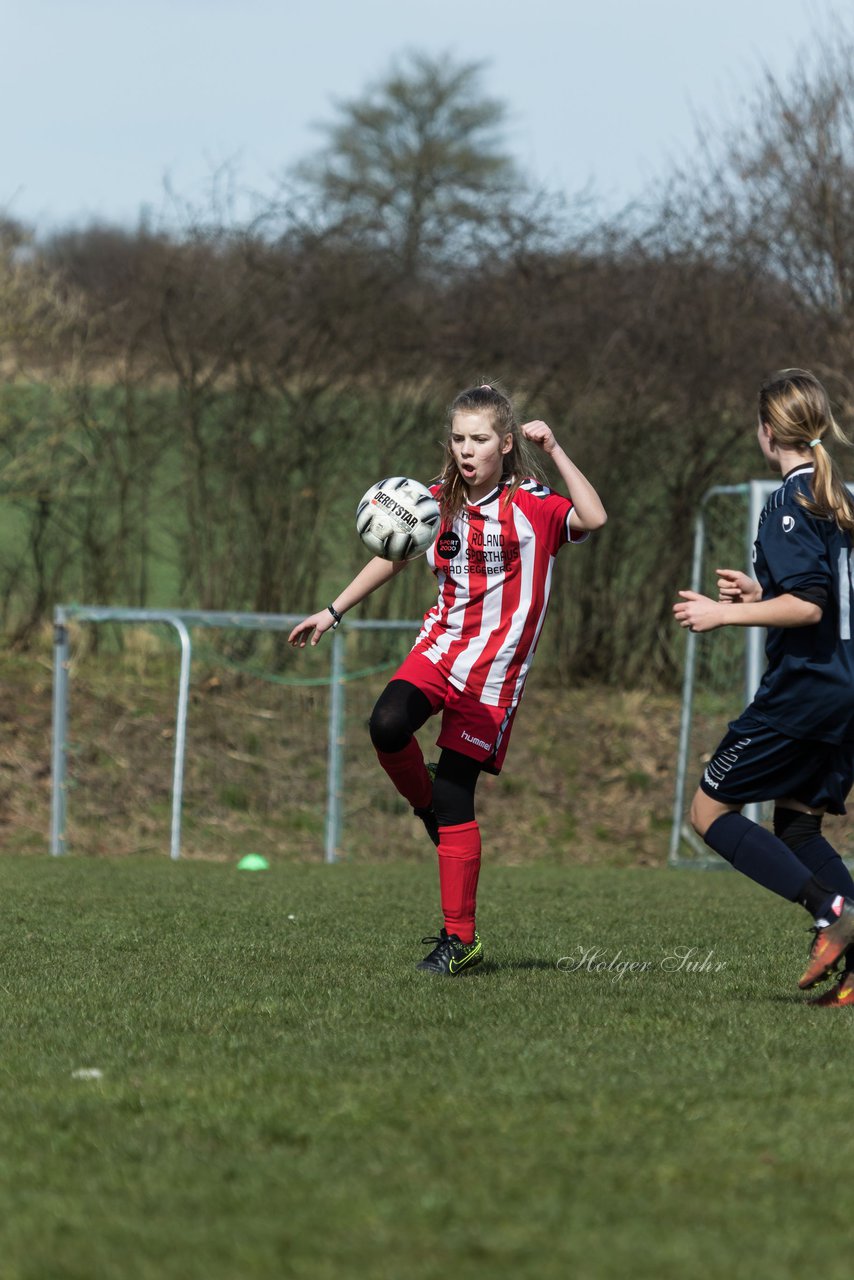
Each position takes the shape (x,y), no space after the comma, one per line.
(494,566)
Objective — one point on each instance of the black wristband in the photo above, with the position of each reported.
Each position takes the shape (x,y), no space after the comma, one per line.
(336,615)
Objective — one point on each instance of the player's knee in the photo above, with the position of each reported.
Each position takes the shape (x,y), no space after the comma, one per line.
(389,729)
(700,815)
(796,828)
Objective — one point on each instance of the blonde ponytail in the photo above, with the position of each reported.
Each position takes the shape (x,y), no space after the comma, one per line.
(795,407)
(830,495)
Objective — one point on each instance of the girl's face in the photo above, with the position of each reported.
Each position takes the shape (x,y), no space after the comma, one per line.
(478,451)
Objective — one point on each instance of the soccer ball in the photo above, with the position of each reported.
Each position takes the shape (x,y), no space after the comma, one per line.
(398,518)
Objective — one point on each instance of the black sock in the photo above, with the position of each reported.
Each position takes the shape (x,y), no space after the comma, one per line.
(758,854)
(825,864)
(802,833)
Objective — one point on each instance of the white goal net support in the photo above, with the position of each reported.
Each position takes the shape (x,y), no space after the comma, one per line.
(722,668)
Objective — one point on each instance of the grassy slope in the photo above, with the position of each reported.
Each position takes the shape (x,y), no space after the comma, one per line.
(283,1095)
(589,776)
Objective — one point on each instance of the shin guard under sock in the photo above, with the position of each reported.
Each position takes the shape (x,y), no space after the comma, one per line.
(820,857)
(802,833)
(459,868)
(827,868)
(408,772)
(758,854)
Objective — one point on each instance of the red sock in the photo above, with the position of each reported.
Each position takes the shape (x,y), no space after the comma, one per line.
(408,772)
(459,867)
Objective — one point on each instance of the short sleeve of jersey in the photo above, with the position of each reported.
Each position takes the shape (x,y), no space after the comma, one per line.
(549,514)
(794,550)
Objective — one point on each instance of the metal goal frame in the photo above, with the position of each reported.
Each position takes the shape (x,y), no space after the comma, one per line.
(183,621)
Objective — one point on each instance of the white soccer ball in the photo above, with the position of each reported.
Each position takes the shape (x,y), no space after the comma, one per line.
(398,518)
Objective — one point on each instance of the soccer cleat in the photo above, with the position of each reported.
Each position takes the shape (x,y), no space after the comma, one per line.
(450,956)
(428,815)
(840,995)
(830,943)
(431,823)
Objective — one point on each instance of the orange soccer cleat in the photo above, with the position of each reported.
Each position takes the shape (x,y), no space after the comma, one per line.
(830,942)
(840,995)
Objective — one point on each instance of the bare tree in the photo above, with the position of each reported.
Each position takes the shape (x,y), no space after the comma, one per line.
(773,198)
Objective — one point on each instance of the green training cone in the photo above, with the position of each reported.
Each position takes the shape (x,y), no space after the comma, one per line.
(253,862)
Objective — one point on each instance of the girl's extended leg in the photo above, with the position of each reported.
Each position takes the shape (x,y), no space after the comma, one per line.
(401,709)
(758,854)
(767,860)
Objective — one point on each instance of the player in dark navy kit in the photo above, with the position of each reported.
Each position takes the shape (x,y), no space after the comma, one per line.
(794,744)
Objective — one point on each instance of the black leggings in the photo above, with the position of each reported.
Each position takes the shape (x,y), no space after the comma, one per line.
(401,709)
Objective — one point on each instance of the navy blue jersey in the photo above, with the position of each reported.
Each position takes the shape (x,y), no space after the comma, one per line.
(807,690)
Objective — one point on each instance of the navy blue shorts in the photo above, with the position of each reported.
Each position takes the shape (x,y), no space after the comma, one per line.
(755,762)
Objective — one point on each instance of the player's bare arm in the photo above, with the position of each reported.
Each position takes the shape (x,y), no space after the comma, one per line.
(587,513)
(696,612)
(375,574)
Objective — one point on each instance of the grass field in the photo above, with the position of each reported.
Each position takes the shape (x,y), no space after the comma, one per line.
(282,1095)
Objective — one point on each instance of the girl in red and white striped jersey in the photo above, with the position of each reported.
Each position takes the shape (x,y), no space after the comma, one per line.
(493,557)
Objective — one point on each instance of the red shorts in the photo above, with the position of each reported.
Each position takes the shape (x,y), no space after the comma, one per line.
(469,726)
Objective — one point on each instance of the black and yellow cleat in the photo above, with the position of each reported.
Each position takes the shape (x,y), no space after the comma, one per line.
(449,956)
(431,824)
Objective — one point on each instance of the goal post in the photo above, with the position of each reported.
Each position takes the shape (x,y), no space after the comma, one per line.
(183,622)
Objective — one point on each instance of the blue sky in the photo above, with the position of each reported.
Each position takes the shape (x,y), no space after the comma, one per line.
(104,100)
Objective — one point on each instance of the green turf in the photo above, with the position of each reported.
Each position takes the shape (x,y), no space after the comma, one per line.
(284,1096)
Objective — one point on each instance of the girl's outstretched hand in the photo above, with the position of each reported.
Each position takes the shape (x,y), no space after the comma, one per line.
(698,613)
(317,624)
(539,433)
